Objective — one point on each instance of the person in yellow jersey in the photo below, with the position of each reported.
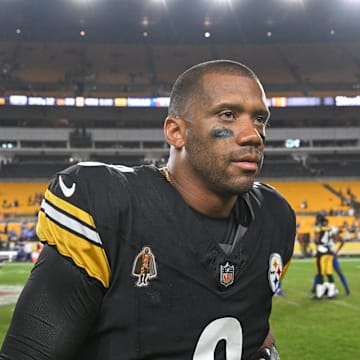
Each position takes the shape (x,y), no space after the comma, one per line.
(325,237)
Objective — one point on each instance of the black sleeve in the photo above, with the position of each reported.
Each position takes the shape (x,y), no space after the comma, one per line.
(55,311)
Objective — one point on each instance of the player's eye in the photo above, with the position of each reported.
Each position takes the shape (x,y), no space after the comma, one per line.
(260,119)
(227,115)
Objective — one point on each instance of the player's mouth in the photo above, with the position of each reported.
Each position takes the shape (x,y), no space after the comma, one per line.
(249,162)
(246,165)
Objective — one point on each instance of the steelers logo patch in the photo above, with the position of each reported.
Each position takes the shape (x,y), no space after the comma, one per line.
(275,271)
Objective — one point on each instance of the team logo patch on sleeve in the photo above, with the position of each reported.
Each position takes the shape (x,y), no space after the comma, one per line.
(275,271)
(144,267)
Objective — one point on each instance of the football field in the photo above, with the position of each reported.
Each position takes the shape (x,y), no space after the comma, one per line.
(309,329)
(305,329)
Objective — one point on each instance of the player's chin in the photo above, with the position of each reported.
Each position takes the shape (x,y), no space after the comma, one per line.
(242,180)
(243,183)
(247,175)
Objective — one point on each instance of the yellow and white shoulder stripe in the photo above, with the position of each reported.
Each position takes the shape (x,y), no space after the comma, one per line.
(73,231)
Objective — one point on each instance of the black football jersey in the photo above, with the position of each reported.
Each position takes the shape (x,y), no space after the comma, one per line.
(171,291)
(325,243)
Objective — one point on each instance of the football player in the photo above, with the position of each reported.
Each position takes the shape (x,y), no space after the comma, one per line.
(325,237)
(336,238)
(175,263)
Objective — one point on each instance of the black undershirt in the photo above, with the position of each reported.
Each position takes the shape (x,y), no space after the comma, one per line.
(229,231)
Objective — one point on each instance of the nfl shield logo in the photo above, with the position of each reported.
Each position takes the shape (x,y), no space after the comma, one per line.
(226,274)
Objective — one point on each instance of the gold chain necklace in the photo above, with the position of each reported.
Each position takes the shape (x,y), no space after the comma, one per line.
(166,173)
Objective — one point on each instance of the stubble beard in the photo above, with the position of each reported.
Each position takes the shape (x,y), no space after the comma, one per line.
(213,171)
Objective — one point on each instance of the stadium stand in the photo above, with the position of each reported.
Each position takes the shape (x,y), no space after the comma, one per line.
(338,200)
(21,198)
(330,58)
(36,141)
(318,196)
(67,69)
(174,59)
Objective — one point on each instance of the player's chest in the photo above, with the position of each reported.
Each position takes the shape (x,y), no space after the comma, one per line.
(173,255)
(178,290)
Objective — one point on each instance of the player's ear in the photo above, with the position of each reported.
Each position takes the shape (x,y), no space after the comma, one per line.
(174,131)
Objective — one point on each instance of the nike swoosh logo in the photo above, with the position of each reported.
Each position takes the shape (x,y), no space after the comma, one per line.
(67,191)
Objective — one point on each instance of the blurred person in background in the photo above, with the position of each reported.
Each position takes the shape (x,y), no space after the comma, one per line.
(337,237)
(326,259)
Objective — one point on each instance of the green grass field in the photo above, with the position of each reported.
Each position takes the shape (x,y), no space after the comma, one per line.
(305,329)
(12,278)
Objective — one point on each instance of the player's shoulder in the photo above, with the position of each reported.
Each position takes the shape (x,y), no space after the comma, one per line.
(98,179)
(267,190)
(90,169)
(270,197)
(99,173)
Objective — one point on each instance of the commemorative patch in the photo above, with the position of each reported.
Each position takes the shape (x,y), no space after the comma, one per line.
(275,271)
(144,267)
(227,272)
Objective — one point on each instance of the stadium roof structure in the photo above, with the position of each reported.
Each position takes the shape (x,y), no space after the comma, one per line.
(138,47)
(180,21)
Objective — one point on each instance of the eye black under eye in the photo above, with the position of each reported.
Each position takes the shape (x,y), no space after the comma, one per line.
(222,133)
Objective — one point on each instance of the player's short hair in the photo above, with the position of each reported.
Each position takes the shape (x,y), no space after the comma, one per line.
(322,219)
(188,86)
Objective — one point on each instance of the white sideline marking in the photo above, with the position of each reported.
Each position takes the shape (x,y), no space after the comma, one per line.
(345,304)
(290,302)
(9,294)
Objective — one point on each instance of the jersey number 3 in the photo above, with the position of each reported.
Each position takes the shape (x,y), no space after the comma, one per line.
(228,329)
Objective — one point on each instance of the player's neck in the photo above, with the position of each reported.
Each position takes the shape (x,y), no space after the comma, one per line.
(198,197)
